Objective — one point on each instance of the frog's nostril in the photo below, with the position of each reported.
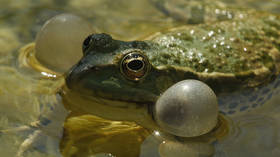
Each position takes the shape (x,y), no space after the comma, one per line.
(99,43)
(86,43)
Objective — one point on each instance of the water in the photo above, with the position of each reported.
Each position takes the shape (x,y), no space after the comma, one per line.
(26,96)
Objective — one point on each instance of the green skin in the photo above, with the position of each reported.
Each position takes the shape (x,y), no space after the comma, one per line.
(229,54)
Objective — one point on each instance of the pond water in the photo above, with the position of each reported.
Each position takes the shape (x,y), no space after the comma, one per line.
(26,96)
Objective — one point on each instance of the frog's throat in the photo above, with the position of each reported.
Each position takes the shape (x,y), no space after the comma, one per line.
(109,109)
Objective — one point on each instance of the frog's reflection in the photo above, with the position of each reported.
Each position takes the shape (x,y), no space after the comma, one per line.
(248,134)
(93,135)
(164,145)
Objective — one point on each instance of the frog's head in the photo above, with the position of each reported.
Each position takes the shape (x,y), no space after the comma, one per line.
(115,80)
(115,77)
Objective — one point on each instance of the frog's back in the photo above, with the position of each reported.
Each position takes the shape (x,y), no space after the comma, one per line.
(245,49)
(238,58)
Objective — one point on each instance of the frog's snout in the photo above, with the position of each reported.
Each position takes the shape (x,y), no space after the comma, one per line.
(99,43)
(187,109)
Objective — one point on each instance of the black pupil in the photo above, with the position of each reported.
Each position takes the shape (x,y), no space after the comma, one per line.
(135,65)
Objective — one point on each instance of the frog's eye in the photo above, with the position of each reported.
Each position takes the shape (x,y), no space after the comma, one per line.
(134,65)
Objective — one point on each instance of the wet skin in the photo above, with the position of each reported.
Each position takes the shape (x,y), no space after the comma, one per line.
(121,80)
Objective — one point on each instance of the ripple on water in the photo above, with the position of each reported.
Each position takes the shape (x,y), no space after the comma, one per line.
(251,135)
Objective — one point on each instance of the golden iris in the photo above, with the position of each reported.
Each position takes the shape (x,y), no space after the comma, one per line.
(135,65)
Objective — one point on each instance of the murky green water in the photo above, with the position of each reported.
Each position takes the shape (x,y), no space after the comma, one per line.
(25,95)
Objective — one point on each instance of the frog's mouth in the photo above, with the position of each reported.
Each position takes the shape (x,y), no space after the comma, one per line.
(107,84)
(91,96)
(110,109)
(90,88)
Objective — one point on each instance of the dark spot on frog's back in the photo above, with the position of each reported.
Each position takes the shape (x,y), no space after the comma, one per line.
(138,44)
(96,43)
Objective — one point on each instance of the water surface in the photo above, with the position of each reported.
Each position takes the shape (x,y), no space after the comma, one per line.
(25,96)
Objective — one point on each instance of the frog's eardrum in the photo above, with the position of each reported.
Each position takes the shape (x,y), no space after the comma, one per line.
(188,108)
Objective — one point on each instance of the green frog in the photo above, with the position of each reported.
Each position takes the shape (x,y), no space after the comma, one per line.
(237,58)
(236,52)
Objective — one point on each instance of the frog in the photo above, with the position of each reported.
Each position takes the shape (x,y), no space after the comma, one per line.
(237,58)
(235,54)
